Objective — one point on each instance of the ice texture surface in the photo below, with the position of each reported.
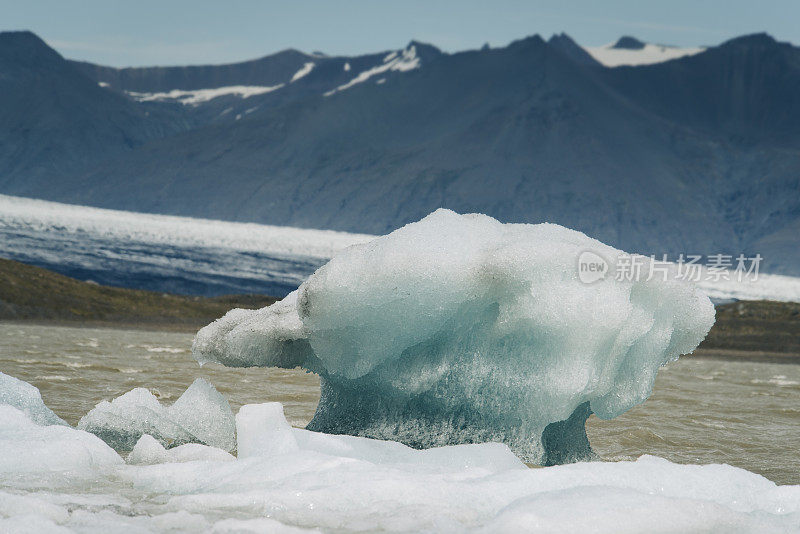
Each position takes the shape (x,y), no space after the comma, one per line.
(200,415)
(26,398)
(205,414)
(58,479)
(346,483)
(460,329)
(262,430)
(28,448)
(149,451)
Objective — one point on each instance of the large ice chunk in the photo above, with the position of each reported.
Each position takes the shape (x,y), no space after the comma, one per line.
(460,329)
(27,447)
(200,415)
(26,398)
(205,413)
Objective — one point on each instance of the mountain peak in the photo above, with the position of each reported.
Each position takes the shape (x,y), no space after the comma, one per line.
(626,42)
(20,36)
(567,46)
(534,41)
(425,50)
(753,39)
(419,44)
(24,47)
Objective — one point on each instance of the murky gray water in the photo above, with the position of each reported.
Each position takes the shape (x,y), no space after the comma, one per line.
(702,411)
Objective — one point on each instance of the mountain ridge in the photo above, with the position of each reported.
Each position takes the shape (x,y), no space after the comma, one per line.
(696,154)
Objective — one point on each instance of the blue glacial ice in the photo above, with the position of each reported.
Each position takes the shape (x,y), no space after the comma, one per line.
(460,329)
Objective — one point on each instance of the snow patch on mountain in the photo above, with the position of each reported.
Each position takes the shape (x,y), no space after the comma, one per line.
(304,70)
(197,96)
(613,56)
(399,62)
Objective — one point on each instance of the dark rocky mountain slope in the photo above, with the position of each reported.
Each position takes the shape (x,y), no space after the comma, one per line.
(695,155)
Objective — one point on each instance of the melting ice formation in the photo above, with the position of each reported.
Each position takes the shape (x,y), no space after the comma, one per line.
(26,398)
(200,415)
(460,329)
(54,478)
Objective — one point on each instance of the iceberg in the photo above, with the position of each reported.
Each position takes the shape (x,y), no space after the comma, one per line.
(27,398)
(201,415)
(459,329)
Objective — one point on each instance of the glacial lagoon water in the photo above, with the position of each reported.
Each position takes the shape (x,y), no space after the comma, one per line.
(741,413)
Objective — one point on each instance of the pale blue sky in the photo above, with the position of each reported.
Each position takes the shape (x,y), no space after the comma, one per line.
(149,32)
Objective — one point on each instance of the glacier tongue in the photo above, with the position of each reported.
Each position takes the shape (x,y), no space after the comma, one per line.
(461,329)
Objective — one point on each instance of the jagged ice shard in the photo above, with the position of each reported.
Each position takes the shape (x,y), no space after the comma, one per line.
(200,415)
(461,329)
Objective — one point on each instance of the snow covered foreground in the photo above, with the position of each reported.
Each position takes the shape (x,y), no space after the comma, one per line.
(60,479)
(204,256)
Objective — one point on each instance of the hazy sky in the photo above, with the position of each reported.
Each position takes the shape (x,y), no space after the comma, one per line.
(149,32)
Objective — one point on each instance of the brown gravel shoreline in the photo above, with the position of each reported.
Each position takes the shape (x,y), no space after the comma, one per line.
(763,331)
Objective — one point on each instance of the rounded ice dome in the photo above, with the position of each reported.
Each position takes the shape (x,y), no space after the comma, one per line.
(461,329)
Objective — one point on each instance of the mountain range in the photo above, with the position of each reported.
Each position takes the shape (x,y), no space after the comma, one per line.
(668,151)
